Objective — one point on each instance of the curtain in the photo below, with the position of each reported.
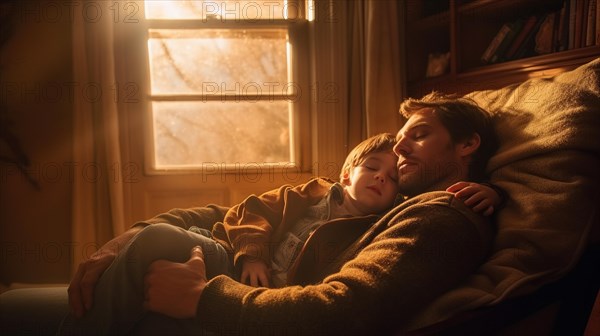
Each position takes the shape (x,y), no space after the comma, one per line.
(376,83)
(357,48)
(97,208)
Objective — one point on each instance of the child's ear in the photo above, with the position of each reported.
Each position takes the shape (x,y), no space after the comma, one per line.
(345,180)
(470,146)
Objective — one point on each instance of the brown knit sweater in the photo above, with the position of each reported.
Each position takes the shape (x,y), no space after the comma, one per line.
(354,277)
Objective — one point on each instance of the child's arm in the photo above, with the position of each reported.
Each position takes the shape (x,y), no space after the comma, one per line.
(255,272)
(480,197)
(247,227)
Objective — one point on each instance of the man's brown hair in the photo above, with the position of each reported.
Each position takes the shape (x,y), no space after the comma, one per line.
(462,117)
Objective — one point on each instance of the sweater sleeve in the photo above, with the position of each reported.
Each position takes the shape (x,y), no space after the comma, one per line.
(202,217)
(426,250)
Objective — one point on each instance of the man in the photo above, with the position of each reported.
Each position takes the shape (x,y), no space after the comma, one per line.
(385,275)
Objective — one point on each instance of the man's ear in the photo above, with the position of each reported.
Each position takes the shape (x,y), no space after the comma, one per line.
(470,146)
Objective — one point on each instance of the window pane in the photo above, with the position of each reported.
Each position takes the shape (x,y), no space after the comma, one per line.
(221,9)
(218,61)
(193,133)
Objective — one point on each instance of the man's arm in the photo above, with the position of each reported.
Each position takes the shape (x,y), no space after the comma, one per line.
(428,250)
(81,288)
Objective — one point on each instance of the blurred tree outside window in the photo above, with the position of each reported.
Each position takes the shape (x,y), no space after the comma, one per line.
(221,79)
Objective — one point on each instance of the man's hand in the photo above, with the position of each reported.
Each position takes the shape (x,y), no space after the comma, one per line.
(81,288)
(255,272)
(479,197)
(174,289)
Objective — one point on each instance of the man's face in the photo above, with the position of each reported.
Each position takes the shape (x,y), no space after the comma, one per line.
(427,158)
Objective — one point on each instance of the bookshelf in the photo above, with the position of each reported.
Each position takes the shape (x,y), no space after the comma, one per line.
(467,28)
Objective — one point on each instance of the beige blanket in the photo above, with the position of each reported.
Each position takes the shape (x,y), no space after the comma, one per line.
(548,163)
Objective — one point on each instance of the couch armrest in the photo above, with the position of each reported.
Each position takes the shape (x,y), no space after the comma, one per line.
(574,294)
(33,311)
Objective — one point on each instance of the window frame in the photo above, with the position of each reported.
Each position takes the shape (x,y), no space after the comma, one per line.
(299,74)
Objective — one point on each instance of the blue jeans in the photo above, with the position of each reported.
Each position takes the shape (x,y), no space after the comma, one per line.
(119,294)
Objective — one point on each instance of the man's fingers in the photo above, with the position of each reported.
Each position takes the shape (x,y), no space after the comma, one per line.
(75,300)
(197,260)
(489,211)
(88,283)
(157,264)
(174,288)
(196,255)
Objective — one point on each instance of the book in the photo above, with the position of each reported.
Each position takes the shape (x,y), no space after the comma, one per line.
(521,36)
(590,35)
(578,23)
(528,47)
(597,22)
(556,31)
(572,15)
(515,28)
(584,22)
(493,46)
(562,35)
(544,36)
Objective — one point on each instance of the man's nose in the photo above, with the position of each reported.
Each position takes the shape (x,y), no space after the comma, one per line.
(401,148)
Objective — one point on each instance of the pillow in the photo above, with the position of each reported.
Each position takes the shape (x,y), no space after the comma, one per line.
(547,162)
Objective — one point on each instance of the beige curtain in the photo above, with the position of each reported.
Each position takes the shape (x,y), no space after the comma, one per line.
(357,48)
(97,209)
(376,83)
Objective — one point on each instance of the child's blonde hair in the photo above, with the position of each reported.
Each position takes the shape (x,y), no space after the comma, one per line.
(378,143)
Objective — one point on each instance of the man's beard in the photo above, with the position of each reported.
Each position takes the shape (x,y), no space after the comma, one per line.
(423,179)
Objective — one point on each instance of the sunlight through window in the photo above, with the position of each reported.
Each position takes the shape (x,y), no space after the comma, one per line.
(222,86)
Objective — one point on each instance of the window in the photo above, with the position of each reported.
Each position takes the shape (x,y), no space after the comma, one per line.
(224,83)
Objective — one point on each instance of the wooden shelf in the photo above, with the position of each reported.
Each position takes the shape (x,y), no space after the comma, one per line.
(499,75)
(536,63)
(432,22)
(484,7)
(466,29)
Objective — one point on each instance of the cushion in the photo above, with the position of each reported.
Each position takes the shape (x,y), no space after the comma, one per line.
(547,162)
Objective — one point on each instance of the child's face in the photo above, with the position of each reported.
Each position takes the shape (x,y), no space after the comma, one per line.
(372,186)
